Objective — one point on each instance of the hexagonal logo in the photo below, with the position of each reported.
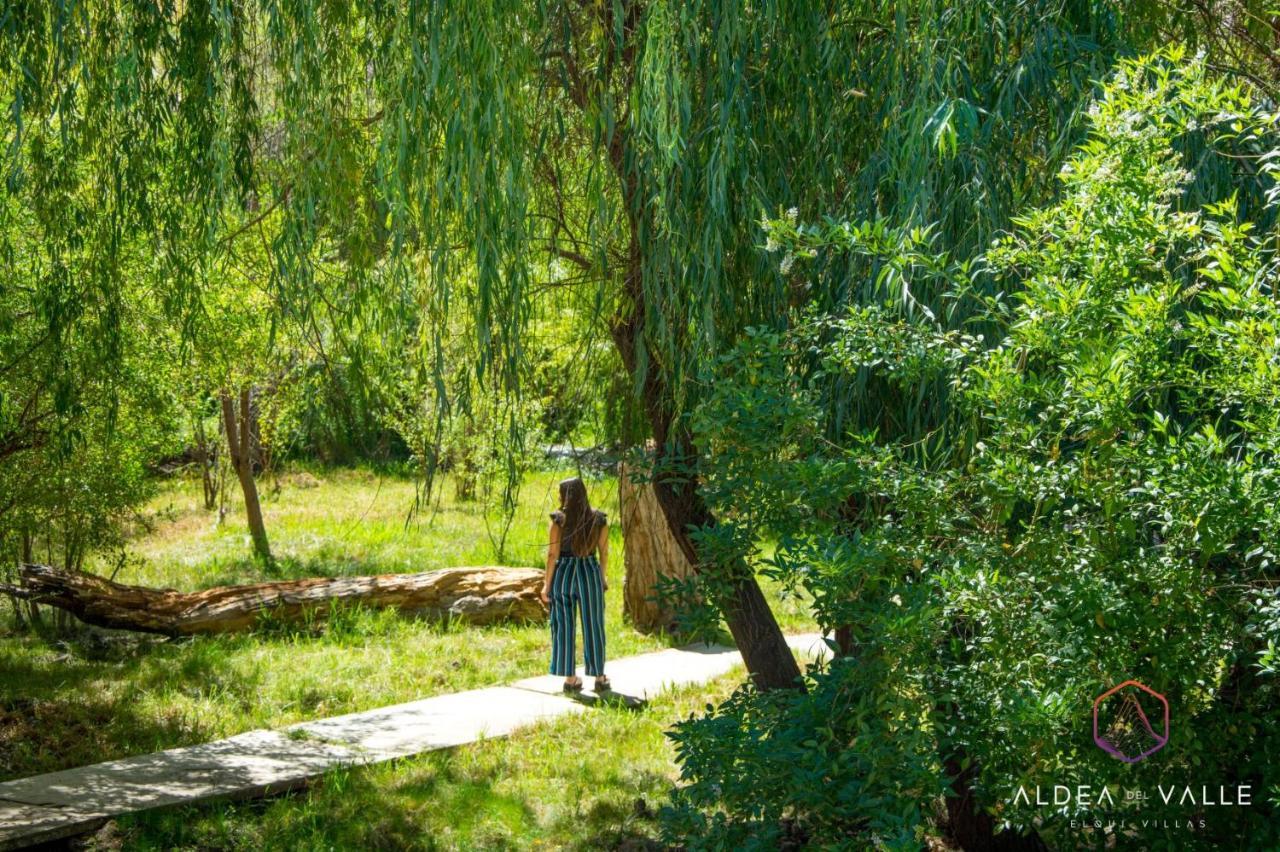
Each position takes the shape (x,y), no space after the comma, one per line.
(1131,721)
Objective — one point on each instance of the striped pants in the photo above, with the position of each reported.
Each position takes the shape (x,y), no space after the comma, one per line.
(576,583)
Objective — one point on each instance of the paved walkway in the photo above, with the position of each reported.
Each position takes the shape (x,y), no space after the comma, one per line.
(259,763)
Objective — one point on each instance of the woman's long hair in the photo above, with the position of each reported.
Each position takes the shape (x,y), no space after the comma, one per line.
(581,523)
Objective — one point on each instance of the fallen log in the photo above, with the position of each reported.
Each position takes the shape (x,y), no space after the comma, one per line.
(479,595)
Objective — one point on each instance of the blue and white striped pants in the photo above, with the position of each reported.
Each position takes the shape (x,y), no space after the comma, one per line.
(577,583)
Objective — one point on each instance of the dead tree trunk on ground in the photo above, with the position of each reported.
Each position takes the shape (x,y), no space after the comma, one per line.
(479,595)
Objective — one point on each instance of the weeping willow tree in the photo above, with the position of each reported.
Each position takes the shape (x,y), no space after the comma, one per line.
(620,154)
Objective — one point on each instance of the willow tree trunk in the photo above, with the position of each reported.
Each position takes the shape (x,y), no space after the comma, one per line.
(755,630)
(240,446)
(651,553)
(739,598)
(972,828)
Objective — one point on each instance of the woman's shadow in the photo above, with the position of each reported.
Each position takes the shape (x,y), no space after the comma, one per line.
(608,698)
(553,685)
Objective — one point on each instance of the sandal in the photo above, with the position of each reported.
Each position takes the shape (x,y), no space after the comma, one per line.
(603,684)
(574,685)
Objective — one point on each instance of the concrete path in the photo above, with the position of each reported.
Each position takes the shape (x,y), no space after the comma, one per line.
(259,763)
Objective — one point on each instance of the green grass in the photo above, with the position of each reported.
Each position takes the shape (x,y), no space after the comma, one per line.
(336,522)
(572,783)
(84,698)
(88,696)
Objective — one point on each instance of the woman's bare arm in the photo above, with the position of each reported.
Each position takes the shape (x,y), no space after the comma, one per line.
(603,544)
(553,552)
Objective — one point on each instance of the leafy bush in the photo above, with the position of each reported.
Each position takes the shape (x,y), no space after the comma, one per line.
(1106,509)
(83,408)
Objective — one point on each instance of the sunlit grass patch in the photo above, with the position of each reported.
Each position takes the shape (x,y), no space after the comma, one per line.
(84,698)
(343,521)
(585,781)
(88,704)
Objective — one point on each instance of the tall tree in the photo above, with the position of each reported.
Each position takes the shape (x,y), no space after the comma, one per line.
(626,148)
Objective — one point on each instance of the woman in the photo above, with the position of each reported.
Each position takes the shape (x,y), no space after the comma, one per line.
(575,579)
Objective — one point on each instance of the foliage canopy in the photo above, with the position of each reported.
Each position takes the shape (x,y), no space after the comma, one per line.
(1109,513)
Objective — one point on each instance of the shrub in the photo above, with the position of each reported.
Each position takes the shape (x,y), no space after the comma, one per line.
(1106,510)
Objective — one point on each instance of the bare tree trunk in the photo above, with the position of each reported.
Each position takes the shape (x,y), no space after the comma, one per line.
(466,467)
(480,595)
(208,464)
(24,555)
(755,630)
(28,551)
(973,829)
(465,477)
(651,553)
(240,446)
(223,464)
(967,823)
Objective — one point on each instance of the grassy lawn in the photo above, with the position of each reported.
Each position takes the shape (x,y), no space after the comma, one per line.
(336,522)
(66,701)
(574,783)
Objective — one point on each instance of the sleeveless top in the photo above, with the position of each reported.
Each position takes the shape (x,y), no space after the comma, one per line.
(566,546)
